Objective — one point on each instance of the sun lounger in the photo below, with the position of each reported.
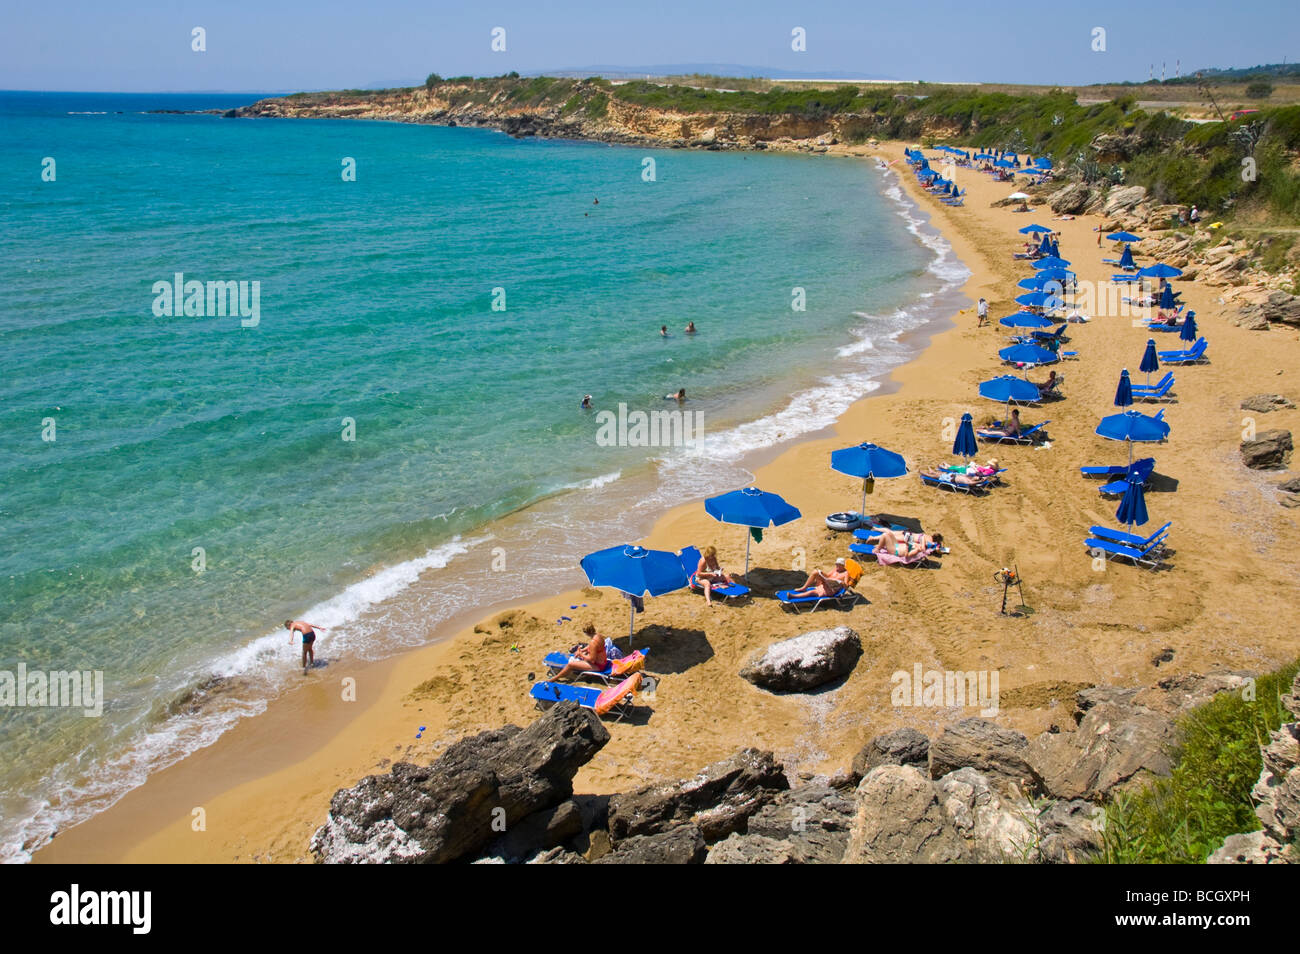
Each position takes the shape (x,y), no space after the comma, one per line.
(690,557)
(613,700)
(1192,355)
(1148,556)
(1028,436)
(1130,539)
(846,597)
(615,670)
(1142,468)
(1116,470)
(885,558)
(1162,392)
(948,482)
(1124,279)
(1168,378)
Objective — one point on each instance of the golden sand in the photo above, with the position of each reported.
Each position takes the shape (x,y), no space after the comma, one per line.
(1227,602)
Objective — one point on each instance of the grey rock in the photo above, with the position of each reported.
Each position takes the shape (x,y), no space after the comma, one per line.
(813,820)
(1123,198)
(1264,403)
(1071,200)
(900,747)
(447,810)
(738,849)
(1269,450)
(682,845)
(718,800)
(995,827)
(987,747)
(1252,848)
(1070,832)
(538,832)
(899,820)
(806,661)
(1115,746)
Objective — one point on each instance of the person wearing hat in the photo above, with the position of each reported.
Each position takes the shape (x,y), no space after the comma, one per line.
(824,584)
(586,403)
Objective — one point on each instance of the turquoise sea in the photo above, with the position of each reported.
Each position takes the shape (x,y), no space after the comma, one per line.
(172,487)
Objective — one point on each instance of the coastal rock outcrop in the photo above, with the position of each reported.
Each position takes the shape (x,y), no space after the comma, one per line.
(986,746)
(455,806)
(805,661)
(1123,199)
(1071,200)
(1269,450)
(900,747)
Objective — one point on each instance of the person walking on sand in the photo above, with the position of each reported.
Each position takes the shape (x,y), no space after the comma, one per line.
(308,632)
(983,311)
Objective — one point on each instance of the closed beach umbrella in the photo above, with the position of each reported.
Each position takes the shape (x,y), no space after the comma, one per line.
(1160,270)
(964,445)
(1050,262)
(1132,427)
(1124,392)
(1188,332)
(868,462)
(1124,237)
(1025,319)
(1133,506)
(635,571)
(1008,389)
(1126,259)
(1167,297)
(750,507)
(1045,246)
(1033,229)
(1149,360)
(1028,355)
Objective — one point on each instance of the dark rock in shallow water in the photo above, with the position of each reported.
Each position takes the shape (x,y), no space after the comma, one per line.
(806,661)
(457,805)
(719,800)
(900,747)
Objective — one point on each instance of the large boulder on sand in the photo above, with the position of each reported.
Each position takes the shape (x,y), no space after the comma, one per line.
(444,811)
(1268,451)
(806,661)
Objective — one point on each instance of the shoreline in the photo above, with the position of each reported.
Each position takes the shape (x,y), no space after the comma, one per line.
(277,796)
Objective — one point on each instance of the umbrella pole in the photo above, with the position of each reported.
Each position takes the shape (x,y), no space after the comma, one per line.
(748,537)
(631,621)
(863,511)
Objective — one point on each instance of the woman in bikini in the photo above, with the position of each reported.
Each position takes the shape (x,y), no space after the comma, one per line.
(709,574)
(908,544)
(1011,428)
(589,658)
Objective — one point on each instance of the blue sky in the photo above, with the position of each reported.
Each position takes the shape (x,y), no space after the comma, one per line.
(144,45)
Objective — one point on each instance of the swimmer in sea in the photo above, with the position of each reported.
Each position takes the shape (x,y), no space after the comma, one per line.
(308,639)
(679,397)
(586,403)
(690,327)
(663,331)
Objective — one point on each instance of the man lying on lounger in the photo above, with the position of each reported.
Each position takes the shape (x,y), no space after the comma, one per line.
(824,584)
(589,658)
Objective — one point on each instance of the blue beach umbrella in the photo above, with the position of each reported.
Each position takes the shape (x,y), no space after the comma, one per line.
(1160,270)
(1132,427)
(1149,360)
(1025,319)
(1034,283)
(1031,229)
(1133,506)
(1045,246)
(750,507)
(635,571)
(1004,163)
(1050,261)
(1167,297)
(964,445)
(1124,237)
(1028,354)
(1040,299)
(868,462)
(1008,389)
(1126,259)
(1124,392)
(1188,332)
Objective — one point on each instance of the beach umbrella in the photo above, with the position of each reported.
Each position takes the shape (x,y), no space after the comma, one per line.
(1132,427)
(1028,355)
(1133,506)
(1160,270)
(1188,332)
(1167,297)
(1126,258)
(1149,360)
(1050,262)
(1032,229)
(868,462)
(635,571)
(1004,163)
(1124,392)
(752,508)
(1059,277)
(1034,283)
(1040,299)
(964,445)
(1044,163)
(1008,389)
(1025,319)
(1018,196)
(1124,237)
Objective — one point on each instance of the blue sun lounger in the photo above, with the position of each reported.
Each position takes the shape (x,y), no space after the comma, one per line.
(1124,279)
(690,557)
(1028,436)
(1192,355)
(616,670)
(612,700)
(1116,470)
(1161,392)
(1131,539)
(845,598)
(1143,468)
(948,482)
(1148,556)
(1168,378)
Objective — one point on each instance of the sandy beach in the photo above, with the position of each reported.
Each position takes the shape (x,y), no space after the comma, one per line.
(1225,602)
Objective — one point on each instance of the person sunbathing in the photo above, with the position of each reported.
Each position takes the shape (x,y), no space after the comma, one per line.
(908,544)
(948,477)
(1049,386)
(824,584)
(1010,429)
(709,574)
(589,658)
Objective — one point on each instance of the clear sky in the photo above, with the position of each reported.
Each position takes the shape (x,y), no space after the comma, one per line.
(145,45)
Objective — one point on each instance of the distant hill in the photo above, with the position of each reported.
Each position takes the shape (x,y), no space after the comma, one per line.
(709,69)
(1219,77)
